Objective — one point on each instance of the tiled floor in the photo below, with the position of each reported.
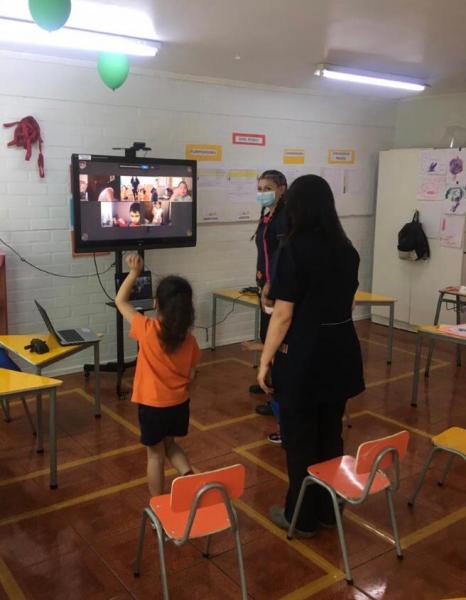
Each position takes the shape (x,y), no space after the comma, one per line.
(78,542)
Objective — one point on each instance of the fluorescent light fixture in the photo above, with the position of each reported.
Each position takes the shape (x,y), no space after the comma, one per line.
(17,31)
(341,74)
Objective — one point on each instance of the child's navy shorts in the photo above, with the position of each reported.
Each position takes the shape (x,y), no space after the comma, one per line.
(157,423)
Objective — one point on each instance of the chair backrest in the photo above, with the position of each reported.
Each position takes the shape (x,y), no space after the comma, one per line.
(368,451)
(184,489)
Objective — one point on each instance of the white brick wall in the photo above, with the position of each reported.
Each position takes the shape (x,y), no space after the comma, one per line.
(78,114)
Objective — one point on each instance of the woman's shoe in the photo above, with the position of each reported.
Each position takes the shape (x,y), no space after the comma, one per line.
(275,438)
(277,516)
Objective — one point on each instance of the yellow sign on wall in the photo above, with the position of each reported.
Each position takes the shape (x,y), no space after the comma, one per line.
(293,156)
(211,152)
(341,157)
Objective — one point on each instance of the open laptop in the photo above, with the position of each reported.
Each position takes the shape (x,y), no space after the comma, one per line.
(141,297)
(67,337)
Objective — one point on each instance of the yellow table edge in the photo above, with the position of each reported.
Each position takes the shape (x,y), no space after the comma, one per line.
(437,330)
(17,382)
(16,344)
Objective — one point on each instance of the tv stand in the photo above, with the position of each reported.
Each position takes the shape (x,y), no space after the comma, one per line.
(120,365)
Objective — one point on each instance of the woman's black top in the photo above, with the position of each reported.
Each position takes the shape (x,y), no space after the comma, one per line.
(323,359)
(269,233)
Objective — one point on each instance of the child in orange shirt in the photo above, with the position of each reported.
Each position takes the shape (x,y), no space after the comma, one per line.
(167,355)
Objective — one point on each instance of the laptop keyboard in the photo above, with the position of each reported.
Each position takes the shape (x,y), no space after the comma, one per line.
(70,335)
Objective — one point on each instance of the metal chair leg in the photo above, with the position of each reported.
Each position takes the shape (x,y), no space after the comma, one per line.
(242,576)
(6,410)
(432,342)
(420,481)
(306,481)
(447,469)
(142,531)
(28,415)
(163,568)
(391,512)
(206,553)
(341,536)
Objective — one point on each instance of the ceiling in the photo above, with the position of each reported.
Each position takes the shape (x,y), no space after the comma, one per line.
(279,43)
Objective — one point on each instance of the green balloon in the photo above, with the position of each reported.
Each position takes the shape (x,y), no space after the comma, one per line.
(50,14)
(113,69)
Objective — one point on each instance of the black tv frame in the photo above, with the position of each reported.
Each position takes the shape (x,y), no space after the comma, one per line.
(88,246)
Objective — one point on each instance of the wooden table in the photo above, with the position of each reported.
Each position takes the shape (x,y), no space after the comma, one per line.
(235,296)
(447,295)
(432,333)
(16,383)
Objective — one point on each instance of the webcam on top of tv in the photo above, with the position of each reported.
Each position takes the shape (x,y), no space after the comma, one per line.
(132,150)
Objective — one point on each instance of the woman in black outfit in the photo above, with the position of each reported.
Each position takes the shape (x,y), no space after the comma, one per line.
(312,342)
(271,187)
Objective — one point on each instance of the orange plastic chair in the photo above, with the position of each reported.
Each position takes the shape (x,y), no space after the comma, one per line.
(453,441)
(198,506)
(351,480)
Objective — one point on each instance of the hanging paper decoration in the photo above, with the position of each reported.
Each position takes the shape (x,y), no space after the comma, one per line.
(113,69)
(27,132)
(50,14)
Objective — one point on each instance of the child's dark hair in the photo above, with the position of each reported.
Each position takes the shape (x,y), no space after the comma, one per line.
(174,297)
(135,207)
(278,179)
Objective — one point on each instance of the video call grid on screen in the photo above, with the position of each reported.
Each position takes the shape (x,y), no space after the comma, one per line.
(125,201)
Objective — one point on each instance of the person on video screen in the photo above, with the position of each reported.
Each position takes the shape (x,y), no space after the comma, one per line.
(83,187)
(154,195)
(142,194)
(134,184)
(180,193)
(135,215)
(107,195)
(157,212)
(124,194)
(118,222)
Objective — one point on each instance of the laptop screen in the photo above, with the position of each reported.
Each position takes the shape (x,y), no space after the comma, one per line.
(46,319)
(142,289)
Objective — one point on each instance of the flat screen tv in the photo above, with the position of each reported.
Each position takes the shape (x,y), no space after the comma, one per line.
(132,203)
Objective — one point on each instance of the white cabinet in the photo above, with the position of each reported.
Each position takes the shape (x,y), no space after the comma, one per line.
(415,284)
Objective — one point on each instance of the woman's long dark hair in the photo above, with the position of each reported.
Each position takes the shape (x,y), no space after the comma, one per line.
(174,297)
(310,207)
(279,180)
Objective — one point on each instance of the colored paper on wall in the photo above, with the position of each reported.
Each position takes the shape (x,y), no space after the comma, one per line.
(208,152)
(451,232)
(341,157)
(430,215)
(248,139)
(455,200)
(211,178)
(293,156)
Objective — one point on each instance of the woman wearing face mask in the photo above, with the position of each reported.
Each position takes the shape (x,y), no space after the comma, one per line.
(271,187)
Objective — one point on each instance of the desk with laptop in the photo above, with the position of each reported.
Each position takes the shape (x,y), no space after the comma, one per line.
(61,344)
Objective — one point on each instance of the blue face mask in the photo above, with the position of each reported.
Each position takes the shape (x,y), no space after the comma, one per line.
(266,198)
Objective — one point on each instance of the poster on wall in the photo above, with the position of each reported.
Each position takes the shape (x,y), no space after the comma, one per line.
(432,175)
(452,231)
(208,152)
(430,214)
(455,200)
(293,156)
(335,177)
(211,177)
(341,157)
(248,139)
(456,168)
(242,185)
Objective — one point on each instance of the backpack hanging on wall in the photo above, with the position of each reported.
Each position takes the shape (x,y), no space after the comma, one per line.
(412,241)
